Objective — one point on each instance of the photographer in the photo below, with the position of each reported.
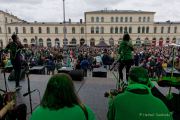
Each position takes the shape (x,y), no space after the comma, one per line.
(137,101)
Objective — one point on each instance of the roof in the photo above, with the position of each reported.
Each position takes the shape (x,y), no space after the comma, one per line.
(120,11)
(10,15)
(167,22)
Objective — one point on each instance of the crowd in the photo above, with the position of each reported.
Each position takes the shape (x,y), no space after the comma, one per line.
(60,100)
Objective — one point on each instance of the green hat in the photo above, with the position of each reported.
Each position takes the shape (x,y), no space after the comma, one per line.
(139,75)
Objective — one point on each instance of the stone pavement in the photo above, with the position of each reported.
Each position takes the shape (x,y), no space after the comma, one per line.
(91,91)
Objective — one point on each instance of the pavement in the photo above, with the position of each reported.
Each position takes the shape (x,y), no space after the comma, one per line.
(91,91)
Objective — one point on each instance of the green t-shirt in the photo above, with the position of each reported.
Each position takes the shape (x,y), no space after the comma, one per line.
(74,113)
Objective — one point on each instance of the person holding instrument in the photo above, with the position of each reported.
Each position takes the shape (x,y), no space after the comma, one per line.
(126,57)
(15,55)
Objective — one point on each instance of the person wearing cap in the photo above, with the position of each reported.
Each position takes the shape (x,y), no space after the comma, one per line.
(137,101)
(15,55)
(126,57)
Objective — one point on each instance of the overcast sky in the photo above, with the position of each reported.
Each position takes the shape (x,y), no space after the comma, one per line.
(52,10)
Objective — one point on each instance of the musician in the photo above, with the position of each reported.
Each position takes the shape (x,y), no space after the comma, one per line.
(126,57)
(15,55)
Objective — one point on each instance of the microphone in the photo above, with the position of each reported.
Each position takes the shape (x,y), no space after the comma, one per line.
(25,94)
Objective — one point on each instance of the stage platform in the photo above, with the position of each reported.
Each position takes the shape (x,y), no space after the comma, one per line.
(91,91)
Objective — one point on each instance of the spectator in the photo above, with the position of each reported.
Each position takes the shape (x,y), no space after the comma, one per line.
(60,102)
(143,106)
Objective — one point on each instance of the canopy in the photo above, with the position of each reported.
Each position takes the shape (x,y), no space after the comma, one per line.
(102,43)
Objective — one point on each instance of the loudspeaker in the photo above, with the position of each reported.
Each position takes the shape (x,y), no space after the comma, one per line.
(99,72)
(77,75)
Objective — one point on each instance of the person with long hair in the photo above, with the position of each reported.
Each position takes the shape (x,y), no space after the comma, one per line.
(60,102)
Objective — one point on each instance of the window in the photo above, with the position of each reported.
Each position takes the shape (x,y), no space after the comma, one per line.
(175,29)
(130,29)
(97,30)
(144,19)
(65,41)
(49,43)
(64,30)
(111,42)
(125,30)
(102,30)
(6,20)
(92,19)
(130,19)
(126,19)
(33,41)
(92,42)
(147,29)
(121,19)
(24,30)
(162,29)
(139,29)
(112,19)
(9,30)
(82,30)
(112,30)
(121,30)
(48,30)
(92,30)
(117,19)
(116,30)
(102,19)
(82,41)
(11,20)
(40,30)
(73,41)
(148,19)
(0,30)
(56,30)
(32,30)
(16,30)
(41,42)
(97,19)
(24,40)
(73,30)
(143,29)
(169,29)
(139,19)
(155,29)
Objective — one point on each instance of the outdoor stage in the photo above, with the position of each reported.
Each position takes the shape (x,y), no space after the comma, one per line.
(91,91)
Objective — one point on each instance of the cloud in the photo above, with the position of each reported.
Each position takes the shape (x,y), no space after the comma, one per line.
(21,2)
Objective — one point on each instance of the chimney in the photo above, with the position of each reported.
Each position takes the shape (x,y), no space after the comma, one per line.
(69,20)
(81,21)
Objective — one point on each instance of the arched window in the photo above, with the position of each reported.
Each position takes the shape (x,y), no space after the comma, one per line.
(111,30)
(174,40)
(48,30)
(117,19)
(25,41)
(33,41)
(130,19)
(121,30)
(57,43)
(41,42)
(92,30)
(102,30)
(130,29)
(97,30)
(73,30)
(143,29)
(9,30)
(97,19)
(116,30)
(125,30)
(82,41)
(65,41)
(147,29)
(102,19)
(82,30)
(16,30)
(139,29)
(92,42)
(92,19)
(56,30)
(49,44)
(112,19)
(73,41)
(40,30)
(111,42)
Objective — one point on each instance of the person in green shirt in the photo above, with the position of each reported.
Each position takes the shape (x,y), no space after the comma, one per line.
(60,102)
(137,101)
(125,56)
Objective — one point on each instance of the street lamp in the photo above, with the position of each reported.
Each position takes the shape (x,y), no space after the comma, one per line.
(64,22)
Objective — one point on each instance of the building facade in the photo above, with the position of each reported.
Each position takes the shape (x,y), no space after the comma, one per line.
(106,25)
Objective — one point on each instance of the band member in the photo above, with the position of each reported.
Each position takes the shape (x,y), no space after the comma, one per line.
(15,55)
(126,57)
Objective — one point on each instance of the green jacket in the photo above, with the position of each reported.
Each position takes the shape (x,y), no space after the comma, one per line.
(125,50)
(74,113)
(137,106)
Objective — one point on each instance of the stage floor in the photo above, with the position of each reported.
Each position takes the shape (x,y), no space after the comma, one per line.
(91,91)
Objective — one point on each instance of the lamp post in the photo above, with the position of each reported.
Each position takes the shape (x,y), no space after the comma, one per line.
(64,22)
